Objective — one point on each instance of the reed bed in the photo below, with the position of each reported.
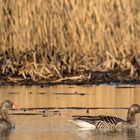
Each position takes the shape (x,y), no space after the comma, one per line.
(54,39)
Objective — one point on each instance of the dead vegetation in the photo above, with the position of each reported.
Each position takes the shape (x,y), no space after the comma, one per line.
(57,39)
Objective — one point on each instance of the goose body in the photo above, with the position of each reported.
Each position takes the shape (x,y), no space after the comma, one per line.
(109,122)
(5,122)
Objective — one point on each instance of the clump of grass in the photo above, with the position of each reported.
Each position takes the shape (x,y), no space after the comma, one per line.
(45,40)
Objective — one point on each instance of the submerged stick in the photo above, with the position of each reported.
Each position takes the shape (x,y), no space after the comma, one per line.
(71,108)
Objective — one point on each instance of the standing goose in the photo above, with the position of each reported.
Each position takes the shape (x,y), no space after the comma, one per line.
(109,122)
(5,122)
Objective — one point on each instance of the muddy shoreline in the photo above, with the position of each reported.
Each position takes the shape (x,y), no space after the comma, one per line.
(113,77)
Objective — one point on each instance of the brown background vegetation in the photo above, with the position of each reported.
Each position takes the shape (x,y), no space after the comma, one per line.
(44,39)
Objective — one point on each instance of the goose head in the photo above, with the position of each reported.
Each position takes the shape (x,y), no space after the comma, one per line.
(7,104)
(134,108)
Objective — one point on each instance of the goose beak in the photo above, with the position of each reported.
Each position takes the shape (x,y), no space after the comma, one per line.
(15,106)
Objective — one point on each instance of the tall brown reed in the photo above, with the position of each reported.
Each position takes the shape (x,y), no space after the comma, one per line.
(43,39)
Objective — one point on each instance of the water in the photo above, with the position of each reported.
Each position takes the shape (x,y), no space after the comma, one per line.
(57,125)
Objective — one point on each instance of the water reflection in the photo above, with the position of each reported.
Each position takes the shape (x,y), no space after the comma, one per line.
(131,134)
(55,125)
(5,134)
(65,96)
(128,134)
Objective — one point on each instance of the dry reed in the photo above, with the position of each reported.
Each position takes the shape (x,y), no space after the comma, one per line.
(51,39)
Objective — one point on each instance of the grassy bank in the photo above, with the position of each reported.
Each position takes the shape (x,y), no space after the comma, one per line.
(45,40)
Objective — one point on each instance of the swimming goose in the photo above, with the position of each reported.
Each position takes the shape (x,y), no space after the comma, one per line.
(5,122)
(109,122)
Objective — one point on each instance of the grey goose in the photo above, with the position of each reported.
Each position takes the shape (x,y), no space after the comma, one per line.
(109,122)
(5,122)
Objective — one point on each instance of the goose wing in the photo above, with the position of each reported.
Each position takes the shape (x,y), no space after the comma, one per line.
(100,118)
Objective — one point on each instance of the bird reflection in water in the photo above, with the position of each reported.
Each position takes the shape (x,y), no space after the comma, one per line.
(126,134)
(5,134)
(132,134)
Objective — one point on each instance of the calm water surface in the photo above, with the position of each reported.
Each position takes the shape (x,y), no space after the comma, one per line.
(57,125)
